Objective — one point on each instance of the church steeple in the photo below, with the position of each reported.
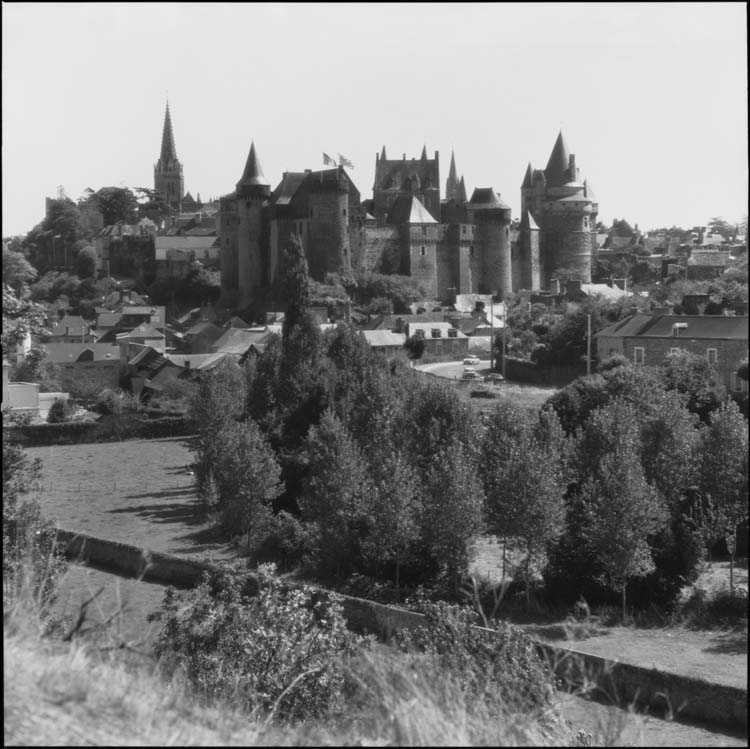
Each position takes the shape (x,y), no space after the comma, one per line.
(168,179)
(423,157)
(168,150)
(382,154)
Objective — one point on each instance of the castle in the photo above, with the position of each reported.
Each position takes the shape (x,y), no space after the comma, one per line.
(449,244)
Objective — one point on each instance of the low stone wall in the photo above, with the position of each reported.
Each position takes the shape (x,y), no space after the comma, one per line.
(621,683)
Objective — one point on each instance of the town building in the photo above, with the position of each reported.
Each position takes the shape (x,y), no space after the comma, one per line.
(647,339)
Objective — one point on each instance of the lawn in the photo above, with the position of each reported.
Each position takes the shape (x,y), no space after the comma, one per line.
(137,492)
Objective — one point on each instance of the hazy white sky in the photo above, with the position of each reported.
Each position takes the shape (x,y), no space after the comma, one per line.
(652,98)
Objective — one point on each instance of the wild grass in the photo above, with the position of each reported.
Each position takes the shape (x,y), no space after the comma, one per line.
(80,688)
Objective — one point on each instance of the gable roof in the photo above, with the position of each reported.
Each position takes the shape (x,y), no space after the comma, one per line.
(237,340)
(407,209)
(144,330)
(66,353)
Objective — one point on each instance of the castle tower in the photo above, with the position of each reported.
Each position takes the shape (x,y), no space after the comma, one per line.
(558,203)
(328,247)
(452,184)
(491,264)
(168,179)
(252,192)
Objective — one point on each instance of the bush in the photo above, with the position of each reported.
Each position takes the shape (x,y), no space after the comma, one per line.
(729,604)
(281,651)
(31,561)
(60,411)
(108,402)
(502,669)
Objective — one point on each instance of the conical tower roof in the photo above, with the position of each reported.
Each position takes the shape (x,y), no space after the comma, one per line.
(168,150)
(462,191)
(588,191)
(382,154)
(557,166)
(253,175)
(452,176)
(528,179)
(423,157)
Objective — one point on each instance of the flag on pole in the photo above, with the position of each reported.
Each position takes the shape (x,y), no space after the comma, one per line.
(345,162)
(328,161)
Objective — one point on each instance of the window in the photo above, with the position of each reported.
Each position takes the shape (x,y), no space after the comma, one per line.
(471,251)
(422,251)
(435,332)
(343,212)
(711,355)
(638,355)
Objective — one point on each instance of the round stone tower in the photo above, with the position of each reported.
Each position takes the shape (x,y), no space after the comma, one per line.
(252,192)
(492,241)
(328,248)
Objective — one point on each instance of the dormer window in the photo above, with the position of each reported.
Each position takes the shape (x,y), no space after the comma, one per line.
(435,332)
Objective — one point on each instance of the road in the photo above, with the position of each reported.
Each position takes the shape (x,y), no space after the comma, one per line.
(453,370)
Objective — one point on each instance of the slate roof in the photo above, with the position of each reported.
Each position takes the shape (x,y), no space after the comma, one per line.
(108,319)
(556,171)
(393,174)
(168,150)
(378,338)
(65,353)
(528,178)
(407,209)
(238,340)
(71,325)
(698,326)
(253,175)
(428,327)
(486,197)
(197,361)
(579,197)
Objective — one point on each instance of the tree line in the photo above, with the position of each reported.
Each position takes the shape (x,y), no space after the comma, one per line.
(320,451)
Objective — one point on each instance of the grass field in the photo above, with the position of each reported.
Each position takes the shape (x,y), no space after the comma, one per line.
(137,492)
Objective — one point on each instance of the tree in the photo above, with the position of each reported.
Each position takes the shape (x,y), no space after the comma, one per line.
(523,468)
(151,204)
(294,284)
(452,504)
(621,509)
(21,317)
(415,346)
(247,480)
(724,468)
(394,510)
(116,204)
(86,262)
(17,270)
(60,411)
(336,494)
(693,376)
(718,225)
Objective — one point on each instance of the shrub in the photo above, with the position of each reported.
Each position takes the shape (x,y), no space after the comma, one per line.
(502,669)
(60,411)
(729,604)
(281,651)
(31,560)
(108,402)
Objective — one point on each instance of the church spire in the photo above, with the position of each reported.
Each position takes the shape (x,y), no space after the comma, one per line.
(423,157)
(528,179)
(253,175)
(382,154)
(451,184)
(461,196)
(168,150)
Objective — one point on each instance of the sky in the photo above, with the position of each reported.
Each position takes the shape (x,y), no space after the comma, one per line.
(651,98)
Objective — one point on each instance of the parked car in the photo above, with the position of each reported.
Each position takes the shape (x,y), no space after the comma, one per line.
(470,374)
(494,377)
(471,360)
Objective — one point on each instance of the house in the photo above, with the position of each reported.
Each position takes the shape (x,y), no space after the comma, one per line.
(72,329)
(385,341)
(440,337)
(96,363)
(237,341)
(647,339)
(202,335)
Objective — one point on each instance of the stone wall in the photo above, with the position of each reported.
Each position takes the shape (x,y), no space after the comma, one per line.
(621,682)
(381,249)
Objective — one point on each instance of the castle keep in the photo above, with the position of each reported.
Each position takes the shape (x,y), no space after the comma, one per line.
(449,244)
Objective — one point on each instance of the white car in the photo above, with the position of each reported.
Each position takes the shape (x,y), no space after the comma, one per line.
(471,360)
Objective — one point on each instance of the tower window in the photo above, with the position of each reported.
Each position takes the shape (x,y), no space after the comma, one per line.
(471,251)
(343,213)
(422,251)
